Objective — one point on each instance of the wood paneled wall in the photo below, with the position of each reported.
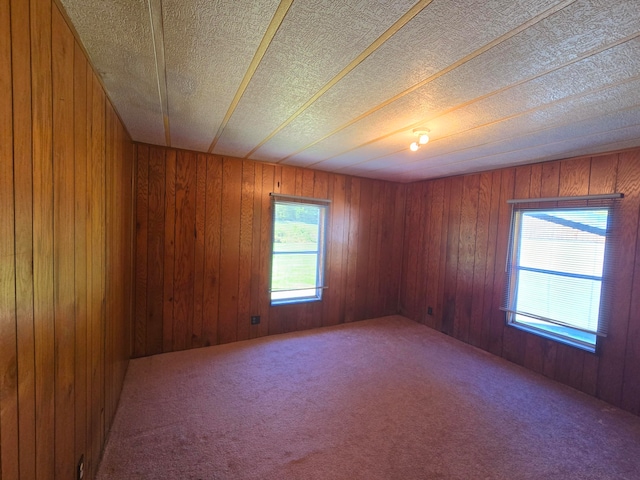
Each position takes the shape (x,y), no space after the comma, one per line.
(455,246)
(66,231)
(204,240)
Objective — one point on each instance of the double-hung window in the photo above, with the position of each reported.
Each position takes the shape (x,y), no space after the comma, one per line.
(555,271)
(298,249)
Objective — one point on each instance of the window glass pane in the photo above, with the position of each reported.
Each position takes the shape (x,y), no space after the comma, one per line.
(296,270)
(556,270)
(570,300)
(565,241)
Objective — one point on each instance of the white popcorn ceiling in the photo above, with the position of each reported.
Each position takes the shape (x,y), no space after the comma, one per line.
(339,85)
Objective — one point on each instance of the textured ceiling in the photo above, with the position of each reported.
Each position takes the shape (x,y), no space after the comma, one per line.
(340,85)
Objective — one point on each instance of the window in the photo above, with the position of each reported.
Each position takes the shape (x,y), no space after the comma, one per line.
(555,272)
(298,253)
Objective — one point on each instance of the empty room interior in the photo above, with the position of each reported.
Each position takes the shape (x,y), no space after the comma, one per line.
(302,239)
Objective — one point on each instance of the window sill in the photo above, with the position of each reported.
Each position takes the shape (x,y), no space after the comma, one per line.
(555,337)
(275,303)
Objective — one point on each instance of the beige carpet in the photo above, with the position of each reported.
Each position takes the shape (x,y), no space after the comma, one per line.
(379,399)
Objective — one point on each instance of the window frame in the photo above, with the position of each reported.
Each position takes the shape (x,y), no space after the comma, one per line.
(323,219)
(555,329)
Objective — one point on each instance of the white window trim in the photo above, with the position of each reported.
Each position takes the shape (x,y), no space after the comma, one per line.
(317,291)
(595,201)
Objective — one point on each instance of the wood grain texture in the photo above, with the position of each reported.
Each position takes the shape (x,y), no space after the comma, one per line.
(613,374)
(43,235)
(80,240)
(97,297)
(184,261)
(142,216)
(452,251)
(198,286)
(23,204)
(62,364)
(513,344)
(213,216)
(245,254)
(63,245)
(9,447)
(169,250)
(155,203)
(222,249)
(467,245)
(619,348)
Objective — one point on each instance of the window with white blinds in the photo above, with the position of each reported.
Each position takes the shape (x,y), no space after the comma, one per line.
(298,249)
(555,271)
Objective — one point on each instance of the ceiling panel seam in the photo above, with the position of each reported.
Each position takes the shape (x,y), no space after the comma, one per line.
(504,119)
(424,120)
(157,33)
(272,29)
(406,18)
(547,13)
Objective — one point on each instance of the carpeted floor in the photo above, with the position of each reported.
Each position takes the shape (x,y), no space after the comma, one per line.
(379,399)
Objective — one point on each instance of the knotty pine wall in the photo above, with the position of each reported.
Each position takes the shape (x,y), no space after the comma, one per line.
(203,249)
(455,248)
(66,236)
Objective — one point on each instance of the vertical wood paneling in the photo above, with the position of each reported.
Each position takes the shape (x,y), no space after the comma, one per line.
(336,271)
(43,234)
(154,253)
(90,247)
(219,212)
(631,379)
(392,282)
(184,262)
(246,240)
(497,321)
(62,162)
(364,250)
(213,215)
(434,286)
(466,256)
(169,250)
(410,260)
(424,227)
(97,281)
(492,261)
(63,242)
(452,251)
(373,257)
(613,374)
(198,299)
(230,249)
(480,259)
(513,345)
(353,200)
(9,449)
(81,290)
(269,184)
(23,204)
(255,297)
(142,214)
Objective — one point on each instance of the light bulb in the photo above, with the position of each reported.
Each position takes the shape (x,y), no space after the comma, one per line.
(414,147)
(424,138)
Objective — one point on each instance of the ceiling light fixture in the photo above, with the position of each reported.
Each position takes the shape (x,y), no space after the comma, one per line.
(423,138)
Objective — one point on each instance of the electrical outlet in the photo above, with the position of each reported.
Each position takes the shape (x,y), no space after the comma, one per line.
(429,311)
(81,468)
(255,319)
